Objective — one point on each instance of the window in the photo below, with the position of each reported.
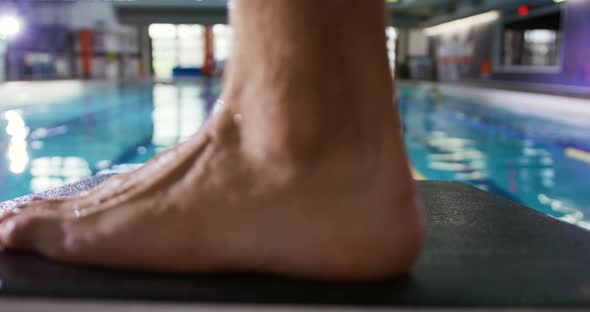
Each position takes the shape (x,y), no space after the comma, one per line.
(184,46)
(532,42)
(176,46)
(223,41)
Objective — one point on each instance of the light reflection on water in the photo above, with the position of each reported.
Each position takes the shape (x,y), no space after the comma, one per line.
(520,157)
(121,127)
(17,132)
(177,115)
(50,172)
(105,128)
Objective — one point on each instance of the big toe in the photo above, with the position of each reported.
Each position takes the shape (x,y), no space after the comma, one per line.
(29,232)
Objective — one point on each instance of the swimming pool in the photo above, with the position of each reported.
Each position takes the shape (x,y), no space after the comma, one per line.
(98,127)
(539,162)
(53,139)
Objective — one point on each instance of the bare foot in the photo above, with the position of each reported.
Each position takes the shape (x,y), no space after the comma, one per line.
(287,177)
(213,204)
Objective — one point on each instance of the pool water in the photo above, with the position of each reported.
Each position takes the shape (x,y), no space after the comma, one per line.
(105,127)
(526,159)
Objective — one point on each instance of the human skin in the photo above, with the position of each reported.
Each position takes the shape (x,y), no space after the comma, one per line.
(301,171)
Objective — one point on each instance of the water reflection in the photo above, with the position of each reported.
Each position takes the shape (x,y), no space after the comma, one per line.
(17,130)
(51,172)
(564,211)
(106,127)
(521,157)
(178,113)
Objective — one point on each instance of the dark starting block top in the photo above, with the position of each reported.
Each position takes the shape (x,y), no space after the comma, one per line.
(482,251)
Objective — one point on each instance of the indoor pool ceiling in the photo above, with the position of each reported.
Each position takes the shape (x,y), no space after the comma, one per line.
(406,13)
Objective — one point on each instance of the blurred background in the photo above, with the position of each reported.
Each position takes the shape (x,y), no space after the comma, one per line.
(494,93)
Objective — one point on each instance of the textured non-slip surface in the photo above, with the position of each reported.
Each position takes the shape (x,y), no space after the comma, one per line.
(482,251)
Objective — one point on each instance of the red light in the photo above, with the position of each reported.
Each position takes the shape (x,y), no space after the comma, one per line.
(523,10)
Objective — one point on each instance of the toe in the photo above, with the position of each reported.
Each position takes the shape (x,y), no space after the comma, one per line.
(32,233)
(44,203)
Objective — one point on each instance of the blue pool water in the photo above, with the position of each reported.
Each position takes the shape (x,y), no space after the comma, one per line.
(101,127)
(108,126)
(522,158)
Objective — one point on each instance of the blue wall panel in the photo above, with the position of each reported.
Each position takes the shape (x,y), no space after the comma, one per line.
(576,50)
(461,55)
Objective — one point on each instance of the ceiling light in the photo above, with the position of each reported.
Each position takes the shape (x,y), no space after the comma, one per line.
(10,26)
(462,24)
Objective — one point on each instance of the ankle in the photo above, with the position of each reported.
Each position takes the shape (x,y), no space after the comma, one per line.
(297,127)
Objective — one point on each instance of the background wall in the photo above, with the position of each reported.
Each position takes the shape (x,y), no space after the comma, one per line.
(467,54)
(460,54)
(576,50)
(49,46)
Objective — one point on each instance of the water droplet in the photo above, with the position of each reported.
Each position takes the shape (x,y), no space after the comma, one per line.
(77,213)
(218,105)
